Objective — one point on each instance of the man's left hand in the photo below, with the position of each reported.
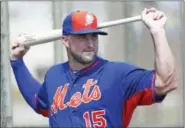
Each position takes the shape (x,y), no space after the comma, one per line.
(154,19)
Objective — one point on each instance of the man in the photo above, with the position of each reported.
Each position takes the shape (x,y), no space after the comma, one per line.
(88,91)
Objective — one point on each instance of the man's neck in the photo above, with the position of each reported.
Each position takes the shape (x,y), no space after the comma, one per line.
(74,65)
(78,66)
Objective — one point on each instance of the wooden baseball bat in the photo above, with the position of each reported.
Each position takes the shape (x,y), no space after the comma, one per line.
(57,33)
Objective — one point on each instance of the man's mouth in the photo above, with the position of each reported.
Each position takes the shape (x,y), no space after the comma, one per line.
(88,50)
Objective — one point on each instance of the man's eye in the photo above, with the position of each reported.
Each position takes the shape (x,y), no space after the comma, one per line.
(81,36)
(95,35)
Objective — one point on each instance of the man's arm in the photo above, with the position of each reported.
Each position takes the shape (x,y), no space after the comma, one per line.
(166,75)
(27,85)
(33,92)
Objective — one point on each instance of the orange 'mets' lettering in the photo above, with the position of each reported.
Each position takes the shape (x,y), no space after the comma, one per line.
(77,98)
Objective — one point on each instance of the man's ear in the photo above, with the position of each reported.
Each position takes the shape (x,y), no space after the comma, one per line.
(65,41)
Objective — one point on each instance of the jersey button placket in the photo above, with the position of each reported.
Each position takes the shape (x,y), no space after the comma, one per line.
(74,117)
(73,111)
(73,89)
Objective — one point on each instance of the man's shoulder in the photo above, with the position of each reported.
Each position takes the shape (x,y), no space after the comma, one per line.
(122,67)
(57,68)
(120,64)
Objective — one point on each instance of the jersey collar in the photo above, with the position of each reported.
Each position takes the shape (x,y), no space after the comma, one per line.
(98,62)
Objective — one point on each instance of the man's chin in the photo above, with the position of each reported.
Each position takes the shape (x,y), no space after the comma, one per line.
(87,60)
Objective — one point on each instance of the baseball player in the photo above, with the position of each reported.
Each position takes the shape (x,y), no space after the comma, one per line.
(89,91)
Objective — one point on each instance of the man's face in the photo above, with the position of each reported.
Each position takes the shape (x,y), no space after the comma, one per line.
(83,48)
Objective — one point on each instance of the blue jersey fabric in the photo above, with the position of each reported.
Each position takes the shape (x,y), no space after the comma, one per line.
(105,94)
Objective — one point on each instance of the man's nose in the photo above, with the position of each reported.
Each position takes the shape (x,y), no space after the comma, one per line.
(90,41)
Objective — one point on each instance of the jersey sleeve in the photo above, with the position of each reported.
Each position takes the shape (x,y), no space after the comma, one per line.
(41,100)
(34,93)
(139,83)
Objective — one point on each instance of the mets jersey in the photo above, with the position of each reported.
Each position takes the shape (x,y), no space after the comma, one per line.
(105,94)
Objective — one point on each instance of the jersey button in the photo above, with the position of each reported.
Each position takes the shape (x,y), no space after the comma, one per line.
(74,112)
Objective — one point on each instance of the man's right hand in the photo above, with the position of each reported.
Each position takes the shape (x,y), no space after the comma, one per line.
(18,49)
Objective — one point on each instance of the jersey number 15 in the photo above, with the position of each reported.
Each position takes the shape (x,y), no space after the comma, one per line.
(97,119)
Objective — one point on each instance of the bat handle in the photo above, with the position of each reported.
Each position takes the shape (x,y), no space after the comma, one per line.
(46,38)
(121,21)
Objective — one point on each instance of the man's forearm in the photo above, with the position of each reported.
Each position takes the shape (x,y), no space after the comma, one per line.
(164,59)
(164,63)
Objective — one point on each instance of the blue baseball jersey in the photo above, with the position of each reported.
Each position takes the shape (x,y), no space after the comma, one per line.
(105,94)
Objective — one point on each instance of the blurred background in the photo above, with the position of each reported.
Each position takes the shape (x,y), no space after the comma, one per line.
(129,42)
